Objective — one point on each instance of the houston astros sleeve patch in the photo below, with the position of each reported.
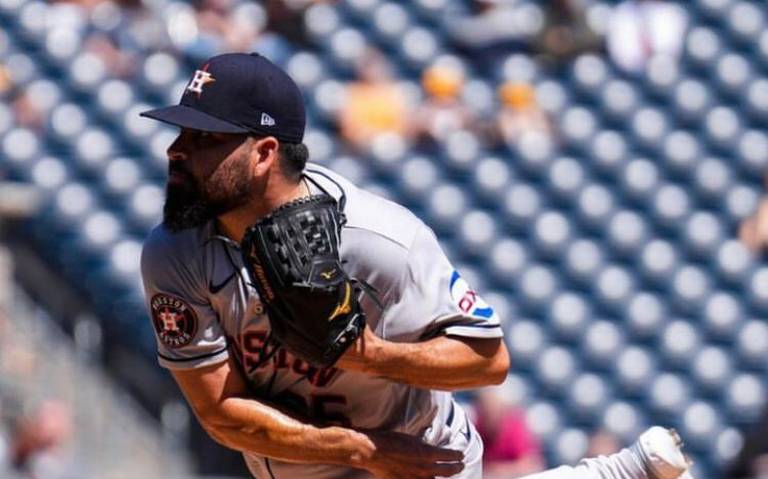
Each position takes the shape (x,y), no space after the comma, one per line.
(175,322)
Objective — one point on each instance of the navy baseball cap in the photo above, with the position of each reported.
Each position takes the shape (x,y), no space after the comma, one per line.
(239,93)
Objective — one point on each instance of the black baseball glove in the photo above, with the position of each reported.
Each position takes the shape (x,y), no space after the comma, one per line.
(292,256)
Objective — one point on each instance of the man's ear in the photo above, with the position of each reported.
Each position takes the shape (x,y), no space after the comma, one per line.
(264,154)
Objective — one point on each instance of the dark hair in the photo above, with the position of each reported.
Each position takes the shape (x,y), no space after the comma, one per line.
(293,159)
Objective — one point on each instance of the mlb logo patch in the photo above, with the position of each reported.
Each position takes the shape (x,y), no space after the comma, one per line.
(467,300)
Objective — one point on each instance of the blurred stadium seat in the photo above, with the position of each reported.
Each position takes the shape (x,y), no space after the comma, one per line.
(610,243)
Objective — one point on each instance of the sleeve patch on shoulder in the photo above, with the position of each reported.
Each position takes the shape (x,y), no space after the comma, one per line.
(175,322)
(467,300)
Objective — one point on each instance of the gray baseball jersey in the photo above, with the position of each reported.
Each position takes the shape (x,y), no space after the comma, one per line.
(204,309)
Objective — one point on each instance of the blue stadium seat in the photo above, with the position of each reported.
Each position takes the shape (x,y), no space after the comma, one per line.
(589,74)
(619,100)
(734,262)
(537,285)
(613,286)
(522,203)
(552,97)
(669,394)
(714,9)
(418,176)
(566,177)
(577,125)
(390,21)
(159,71)
(680,342)
(462,151)
(733,73)
(752,343)
(658,260)
(625,420)
(552,231)
(691,99)
(703,46)
(711,368)
(569,315)
(746,397)
(703,234)
(745,22)
(640,179)
(723,315)
(601,343)
(508,259)
(93,148)
(681,151)
(608,151)
(556,368)
(86,72)
(146,205)
(21,148)
(756,99)
(635,369)
(627,232)
(446,205)
(712,178)
(645,315)
(648,126)
(588,395)
(49,173)
(477,231)
(671,205)
(584,258)
(701,423)
(307,70)
(752,152)
(690,287)
(492,179)
(741,201)
(545,419)
(595,205)
(387,152)
(722,127)
(67,121)
(661,74)
(570,446)
(526,341)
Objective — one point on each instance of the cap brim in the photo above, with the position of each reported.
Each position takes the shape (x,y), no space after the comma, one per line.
(186,117)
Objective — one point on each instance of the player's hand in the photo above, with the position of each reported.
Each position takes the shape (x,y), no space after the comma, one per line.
(397,456)
(362,354)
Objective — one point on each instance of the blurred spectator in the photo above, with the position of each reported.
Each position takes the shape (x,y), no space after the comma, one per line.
(286,17)
(39,444)
(6,81)
(443,111)
(495,27)
(374,103)
(603,443)
(566,32)
(752,460)
(753,231)
(511,450)
(27,112)
(520,113)
(638,30)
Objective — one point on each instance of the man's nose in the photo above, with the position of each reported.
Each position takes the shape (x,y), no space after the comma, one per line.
(177,152)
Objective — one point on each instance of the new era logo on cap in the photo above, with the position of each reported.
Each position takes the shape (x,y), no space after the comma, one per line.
(267,120)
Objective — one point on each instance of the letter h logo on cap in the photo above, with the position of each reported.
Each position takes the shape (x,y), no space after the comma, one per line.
(199,80)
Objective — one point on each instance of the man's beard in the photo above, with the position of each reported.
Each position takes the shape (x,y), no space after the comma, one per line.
(190,204)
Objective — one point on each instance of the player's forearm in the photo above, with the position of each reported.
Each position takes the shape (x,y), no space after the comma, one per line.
(441,363)
(248,425)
